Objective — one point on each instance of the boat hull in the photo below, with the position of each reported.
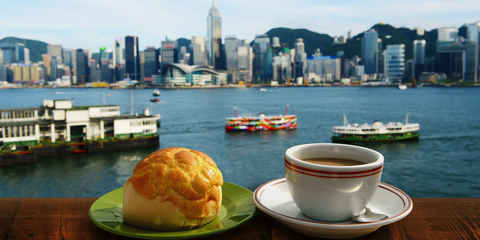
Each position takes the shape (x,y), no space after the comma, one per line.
(255,128)
(374,138)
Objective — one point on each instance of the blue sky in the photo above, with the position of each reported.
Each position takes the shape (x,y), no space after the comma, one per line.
(91,24)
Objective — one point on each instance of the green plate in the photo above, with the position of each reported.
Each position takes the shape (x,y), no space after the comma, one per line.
(237,207)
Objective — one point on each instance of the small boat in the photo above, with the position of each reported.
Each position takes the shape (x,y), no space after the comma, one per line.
(154,100)
(263,89)
(156,93)
(261,122)
(392,131)
(401,86)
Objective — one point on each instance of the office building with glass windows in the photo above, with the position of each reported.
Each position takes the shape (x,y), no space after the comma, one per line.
(169,52)
(394,62)
(214,38)
(370,51)
(132,58)
(418,65)
(262,69)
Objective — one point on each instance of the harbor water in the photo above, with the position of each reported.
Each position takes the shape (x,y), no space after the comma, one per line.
(444,162)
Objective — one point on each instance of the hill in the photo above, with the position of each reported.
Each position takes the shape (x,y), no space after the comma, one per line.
(37,48)
(353,46)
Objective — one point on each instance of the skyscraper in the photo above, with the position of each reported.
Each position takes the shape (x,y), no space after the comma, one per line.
(82,73)
(418,57)
(214,37)
(231,44)
(151,64)
(300,58)
(132,58)
(395,62)
(54,50)
(117,51)
(198,53)
(263,58)
(169,52)
(370,51)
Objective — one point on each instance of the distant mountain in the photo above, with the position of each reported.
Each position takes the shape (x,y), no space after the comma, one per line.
(388,34)
(37,48)
(312,40)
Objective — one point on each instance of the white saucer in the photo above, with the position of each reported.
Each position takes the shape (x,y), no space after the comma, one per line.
(274,199)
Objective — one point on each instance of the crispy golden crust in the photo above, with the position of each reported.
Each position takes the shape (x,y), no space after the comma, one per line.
(186,179)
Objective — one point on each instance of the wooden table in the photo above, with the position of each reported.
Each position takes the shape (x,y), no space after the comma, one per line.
(67,218)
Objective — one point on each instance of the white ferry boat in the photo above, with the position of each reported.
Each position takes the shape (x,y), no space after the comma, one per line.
(378,131)
(58,128)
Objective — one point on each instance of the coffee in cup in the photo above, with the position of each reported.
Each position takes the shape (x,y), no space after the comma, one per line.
(332,182)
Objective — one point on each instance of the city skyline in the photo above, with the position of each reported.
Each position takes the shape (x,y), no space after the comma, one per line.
(90,24)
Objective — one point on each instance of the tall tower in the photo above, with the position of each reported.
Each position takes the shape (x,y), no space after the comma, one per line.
(214,37)
(370,51)
(132,58)
(117,51)
(300,58)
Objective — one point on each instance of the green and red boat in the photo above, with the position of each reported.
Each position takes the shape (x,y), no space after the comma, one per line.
(376,132)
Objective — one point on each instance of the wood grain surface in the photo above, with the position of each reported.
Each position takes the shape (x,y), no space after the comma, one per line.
(67,218)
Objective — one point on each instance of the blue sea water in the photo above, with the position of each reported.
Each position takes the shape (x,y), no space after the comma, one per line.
(444,162)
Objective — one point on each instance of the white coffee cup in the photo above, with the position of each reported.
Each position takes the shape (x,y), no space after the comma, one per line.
(332,193)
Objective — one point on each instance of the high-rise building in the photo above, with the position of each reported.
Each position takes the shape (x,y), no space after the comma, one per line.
(151,64)
(169,52)
(117,51)
(82,72)
(231,44)
(54,50)
(370,51)
(276,42)
(13,52)
(198,53)
(263,58)
(132,58)
(456,58)
(300,58)
(395,62)
(214,37)
(47,66)
(418,57)
(473,36)
(27,55)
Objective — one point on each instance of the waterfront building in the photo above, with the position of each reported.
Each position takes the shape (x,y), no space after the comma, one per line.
(263,59)
(231,44)
(198,52)
(169,52)
(418,57)
(370,51)
(409,74)
(105,71)
(93,70)
(132,58)
(300,59)
(54,50)
(175,74)
(473,36)
(328,68)
(58,127)
(282,68)
(54,68)
(151,64)
(25,73)
(245,62)
(214,37)
(457,58)
(82,74)
(395,62)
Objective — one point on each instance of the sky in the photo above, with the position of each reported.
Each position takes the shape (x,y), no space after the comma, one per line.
(91,24)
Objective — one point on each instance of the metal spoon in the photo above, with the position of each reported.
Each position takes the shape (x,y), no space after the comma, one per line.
(369,216)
